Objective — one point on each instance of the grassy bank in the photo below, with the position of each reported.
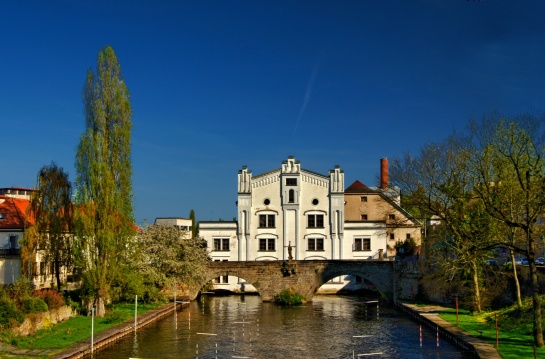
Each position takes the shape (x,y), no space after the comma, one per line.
(75,329)
(515,327)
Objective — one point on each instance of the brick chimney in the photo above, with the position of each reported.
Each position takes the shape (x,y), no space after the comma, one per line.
(383,173)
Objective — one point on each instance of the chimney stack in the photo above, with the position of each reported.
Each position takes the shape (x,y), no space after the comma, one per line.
(383,173)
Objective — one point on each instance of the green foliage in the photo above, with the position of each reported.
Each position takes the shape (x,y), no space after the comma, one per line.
(51,208)
(408,247)
(194,224)
(289,297)
(33,305)
(168,259)
(21,289)
(104,227)
(9,314)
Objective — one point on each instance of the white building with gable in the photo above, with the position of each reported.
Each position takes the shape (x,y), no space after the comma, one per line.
(291,212)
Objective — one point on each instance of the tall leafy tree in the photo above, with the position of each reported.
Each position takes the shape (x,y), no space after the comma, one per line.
(104,217)
(508,165)
(51,209)
(194,224)
(439,185)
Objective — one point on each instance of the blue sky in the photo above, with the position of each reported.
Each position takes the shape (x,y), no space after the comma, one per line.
(217,85)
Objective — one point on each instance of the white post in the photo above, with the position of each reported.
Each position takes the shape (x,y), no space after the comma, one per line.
(92,327)
(135,310)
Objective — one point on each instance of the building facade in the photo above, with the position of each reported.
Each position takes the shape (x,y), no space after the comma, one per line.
(14,221)
(12,228)
(294,213)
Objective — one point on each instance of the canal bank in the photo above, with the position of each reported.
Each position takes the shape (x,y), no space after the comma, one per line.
(428,315)
(110,336)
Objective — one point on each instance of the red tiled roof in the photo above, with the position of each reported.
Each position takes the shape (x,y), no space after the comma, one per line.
(358,187)
(13,213)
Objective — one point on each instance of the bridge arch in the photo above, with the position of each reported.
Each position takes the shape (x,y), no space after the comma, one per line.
(353,284)
(305,277)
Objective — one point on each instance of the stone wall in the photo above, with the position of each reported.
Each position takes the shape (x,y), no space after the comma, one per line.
(406,277)
(44,320)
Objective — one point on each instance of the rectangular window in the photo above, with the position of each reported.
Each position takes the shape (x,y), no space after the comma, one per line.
(364,217)
(408,236)
(13,243)
(266,221)
(315,221)
(315,244)
(266,244)
(364,198)
(392,236)
(221,244)
(42,268)
(392,217)
(291,181)
(362,244)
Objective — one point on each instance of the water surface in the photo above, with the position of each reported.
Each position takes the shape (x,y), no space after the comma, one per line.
(245,327)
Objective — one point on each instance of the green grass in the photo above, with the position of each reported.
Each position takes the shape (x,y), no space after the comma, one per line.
(515,326)
(75,329)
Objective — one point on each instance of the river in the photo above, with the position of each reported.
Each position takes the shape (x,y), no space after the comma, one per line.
(245,327)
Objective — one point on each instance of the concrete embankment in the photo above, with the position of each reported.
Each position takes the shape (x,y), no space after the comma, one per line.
(109,336)
(428,316)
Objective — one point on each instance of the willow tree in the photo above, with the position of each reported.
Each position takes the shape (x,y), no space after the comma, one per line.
(51,211)
(104,216)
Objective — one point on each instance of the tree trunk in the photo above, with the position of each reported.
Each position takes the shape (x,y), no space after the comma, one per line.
(477,294)
(538,329)
(515,276)
(101,310)
(58,273)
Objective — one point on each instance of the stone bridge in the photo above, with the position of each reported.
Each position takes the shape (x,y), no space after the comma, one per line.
(392,279)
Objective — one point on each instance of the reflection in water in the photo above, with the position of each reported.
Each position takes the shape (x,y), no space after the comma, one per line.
(245,327)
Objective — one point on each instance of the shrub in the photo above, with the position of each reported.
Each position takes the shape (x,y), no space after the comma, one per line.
(33,305)
(21,289)
(9,314)
(289,297)
(51,297)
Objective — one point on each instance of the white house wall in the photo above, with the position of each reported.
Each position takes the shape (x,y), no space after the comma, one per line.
(10,270)
(268,194)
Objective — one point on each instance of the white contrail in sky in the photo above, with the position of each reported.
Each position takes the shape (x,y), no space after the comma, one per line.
(308,93)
